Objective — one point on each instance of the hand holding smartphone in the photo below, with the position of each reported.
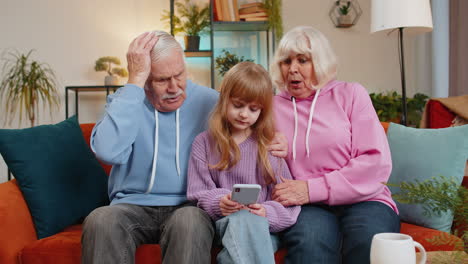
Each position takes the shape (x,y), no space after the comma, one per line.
(245,193)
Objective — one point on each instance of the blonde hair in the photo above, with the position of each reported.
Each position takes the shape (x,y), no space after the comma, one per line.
(248,82)
(312,43)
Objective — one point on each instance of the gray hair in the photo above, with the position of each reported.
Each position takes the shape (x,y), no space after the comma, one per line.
(165,46)
(312,43)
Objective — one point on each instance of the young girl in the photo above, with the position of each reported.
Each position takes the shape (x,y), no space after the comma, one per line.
(234,150)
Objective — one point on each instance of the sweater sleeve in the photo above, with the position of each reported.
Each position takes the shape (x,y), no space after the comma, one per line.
(200,185)
(112,137)
(370,164)
(280,217)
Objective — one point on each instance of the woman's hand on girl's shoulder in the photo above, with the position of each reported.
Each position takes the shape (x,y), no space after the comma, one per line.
(279,145)
(229,206)
(257,209)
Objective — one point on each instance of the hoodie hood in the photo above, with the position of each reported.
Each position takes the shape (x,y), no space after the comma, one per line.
(323,90)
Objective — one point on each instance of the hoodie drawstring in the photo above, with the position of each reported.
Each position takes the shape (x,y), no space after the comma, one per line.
(309,123)
(311,114)
(295,127)
(156,143)
(155,156)
(177,143)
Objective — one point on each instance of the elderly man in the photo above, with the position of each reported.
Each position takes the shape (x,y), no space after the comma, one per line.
(146,134)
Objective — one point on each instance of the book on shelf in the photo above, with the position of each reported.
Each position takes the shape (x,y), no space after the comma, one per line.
(251,4)
(218,11)
(225,10)
(228,9)
(252,9)
(258,14)
(235,10)
(262,18)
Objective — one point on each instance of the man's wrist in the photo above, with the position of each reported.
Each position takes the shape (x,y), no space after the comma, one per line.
(136,81)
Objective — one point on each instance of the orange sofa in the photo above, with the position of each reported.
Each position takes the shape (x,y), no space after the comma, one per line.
(19,243)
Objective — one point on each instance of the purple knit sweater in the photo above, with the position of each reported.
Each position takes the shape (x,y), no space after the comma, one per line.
(207,186)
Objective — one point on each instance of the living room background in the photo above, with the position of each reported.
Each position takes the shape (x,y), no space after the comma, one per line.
(71,35)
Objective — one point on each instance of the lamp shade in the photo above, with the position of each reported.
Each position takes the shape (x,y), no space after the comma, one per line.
(413,15)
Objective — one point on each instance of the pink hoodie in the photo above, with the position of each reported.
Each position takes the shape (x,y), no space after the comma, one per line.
(349,157)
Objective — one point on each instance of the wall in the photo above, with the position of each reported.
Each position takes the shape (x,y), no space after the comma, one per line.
(371,59)
(71,35)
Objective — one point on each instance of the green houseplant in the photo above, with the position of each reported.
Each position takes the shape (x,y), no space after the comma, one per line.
(388,107)
(343,9)
(107,64)
(275,20)
(227,60)
(26,85)
(193,20)
(439,195)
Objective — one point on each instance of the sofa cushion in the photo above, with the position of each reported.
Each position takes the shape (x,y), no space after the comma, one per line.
(420,154)
(423,235)
(59,176)
(16,225)
(87,130)
(63,247)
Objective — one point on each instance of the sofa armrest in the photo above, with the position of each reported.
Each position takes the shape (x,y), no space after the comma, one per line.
(421,234)
(16,225)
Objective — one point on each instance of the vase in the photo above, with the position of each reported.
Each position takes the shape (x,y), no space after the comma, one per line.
(345,21)
(192,43)
(111,80)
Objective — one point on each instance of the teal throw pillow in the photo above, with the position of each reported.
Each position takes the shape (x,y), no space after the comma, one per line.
(421,154)
(59,176)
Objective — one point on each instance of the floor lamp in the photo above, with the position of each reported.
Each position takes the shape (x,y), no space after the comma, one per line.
(414,16)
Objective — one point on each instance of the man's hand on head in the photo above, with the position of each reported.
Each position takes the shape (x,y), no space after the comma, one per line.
(138,58)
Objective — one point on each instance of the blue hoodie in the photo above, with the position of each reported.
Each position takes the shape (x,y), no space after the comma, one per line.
(132,129)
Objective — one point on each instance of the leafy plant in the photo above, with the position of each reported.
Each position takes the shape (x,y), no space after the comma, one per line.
(275,20)
(106,64)
(389,107)
(438,195)
(25,84)
(415,108)
(227,61)
(343,9)
(193,20)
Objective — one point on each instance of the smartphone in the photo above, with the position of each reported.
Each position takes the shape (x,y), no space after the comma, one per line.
(245,193)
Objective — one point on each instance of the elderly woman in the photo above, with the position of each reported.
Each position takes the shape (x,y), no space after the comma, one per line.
(338,155)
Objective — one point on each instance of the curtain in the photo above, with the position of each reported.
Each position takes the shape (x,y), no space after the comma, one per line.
(458,65)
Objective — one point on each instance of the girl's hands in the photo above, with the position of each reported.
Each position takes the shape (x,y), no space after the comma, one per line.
(229,206)
(257,209)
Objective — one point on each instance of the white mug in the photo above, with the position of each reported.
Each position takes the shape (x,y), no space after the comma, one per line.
(390,248)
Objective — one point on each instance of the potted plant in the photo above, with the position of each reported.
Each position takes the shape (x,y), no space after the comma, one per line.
(25,85)
(107,64)
(275,20)
(193,20)
(439,195)
(344,19)
(227,61)
(389,108)
(415,107)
